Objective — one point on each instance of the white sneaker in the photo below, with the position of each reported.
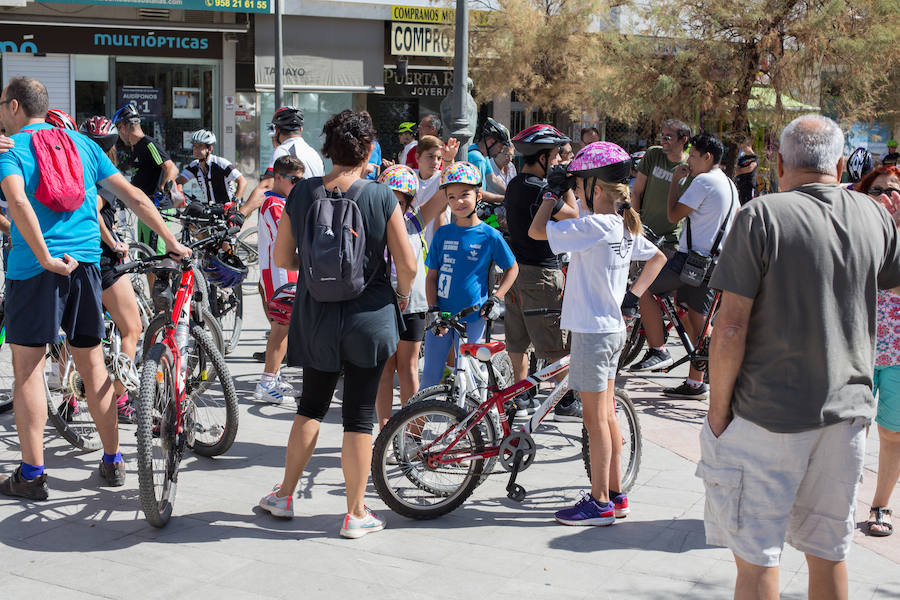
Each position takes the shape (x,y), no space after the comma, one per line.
(269,393)
(356,528)
(279,507)
(285,387)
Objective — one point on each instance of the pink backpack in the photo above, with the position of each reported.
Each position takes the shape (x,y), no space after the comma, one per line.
(60,172)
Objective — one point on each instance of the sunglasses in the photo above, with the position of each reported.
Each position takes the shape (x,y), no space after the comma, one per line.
(877,191)
(294,178)
(666,138)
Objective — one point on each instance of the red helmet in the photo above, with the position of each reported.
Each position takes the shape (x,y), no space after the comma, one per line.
(537,138)
(58,118)
(101,130)
(282,303)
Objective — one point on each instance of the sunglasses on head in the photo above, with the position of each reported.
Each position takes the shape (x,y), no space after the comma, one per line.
(294,178)
(877,191)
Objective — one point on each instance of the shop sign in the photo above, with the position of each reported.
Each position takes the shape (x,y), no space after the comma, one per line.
(432,83)
(121,42)
(256,6)
(431,14)
(411,39)
(147,99)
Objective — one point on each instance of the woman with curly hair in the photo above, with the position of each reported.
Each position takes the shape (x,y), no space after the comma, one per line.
(354,337)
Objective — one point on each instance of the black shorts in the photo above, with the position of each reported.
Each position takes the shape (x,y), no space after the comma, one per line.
(38,307)
(415,327)
(699,299)
(107,276)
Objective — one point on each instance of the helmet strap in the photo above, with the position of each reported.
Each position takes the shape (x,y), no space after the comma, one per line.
(592,183)
(545,165)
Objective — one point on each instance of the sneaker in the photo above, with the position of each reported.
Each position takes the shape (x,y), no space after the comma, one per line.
(260,356)
(356,528)
(70,409)
(16,485)
(286,388)
(126,412)
(526,406)
(278,506)
(687,391)
(653,360)
(269,393)
(112,474)
(620,503)
(568,409)
(588,511)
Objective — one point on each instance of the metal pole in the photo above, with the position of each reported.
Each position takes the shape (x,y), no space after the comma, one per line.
(279,84)
(461,126)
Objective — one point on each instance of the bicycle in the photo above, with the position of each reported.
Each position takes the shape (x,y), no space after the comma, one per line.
(6,368)
(175,409)
(440,450)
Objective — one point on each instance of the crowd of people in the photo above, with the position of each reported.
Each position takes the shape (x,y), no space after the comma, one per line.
(805,336)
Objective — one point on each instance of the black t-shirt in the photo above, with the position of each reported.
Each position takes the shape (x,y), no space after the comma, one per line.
(890,158)
(147,156)
(522,200)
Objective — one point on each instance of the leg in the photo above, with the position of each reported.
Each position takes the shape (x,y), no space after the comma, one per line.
(385,399)
(888,466)
(827,578)
(651,319)
(595,421)
(121,304)
(693,326)
(615,439)
(520,365)
(99,392)
(407,369)
(436,349)
(356,461)
(276,348)
(29,401)
(755,582)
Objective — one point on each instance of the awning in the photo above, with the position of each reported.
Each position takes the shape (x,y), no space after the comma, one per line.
(31,20)
(335,55)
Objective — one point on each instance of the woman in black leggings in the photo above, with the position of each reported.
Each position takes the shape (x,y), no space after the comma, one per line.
(356,336)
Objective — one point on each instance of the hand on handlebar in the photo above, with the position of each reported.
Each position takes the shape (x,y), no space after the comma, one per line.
(177,250)
(490,310)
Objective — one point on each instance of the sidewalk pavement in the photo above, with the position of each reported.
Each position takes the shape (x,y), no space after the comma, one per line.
(91,542)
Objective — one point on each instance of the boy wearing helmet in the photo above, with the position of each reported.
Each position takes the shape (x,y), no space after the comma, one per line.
(494,136)
(892,157)
(213,173)
(459,262)
(406,135)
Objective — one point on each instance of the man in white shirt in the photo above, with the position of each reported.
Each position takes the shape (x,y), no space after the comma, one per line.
(709,205)
(286,129)
(503,168)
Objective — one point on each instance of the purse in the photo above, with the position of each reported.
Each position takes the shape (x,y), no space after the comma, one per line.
(698,268)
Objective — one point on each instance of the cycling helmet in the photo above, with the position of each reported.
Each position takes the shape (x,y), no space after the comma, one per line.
(203,136)
(461,172)
(496,130)
(58,118)
(224,270)
(534,139)
(288,118)
(282,303)
(101,130)
(407,127)
(400,178)
(636,158)
(602,160)
(859,164)
(127,113)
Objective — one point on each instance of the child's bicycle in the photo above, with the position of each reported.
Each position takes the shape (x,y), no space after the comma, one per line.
(431,455)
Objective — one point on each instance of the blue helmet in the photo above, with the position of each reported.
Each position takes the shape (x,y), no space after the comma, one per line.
(224,270)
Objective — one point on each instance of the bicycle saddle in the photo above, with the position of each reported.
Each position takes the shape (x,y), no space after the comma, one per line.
(482,352)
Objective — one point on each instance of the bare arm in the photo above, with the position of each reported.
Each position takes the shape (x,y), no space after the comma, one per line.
(491,197)
(509,277)
(434,207)
(286,256)
(498,182)
(402,255)
(676,210)
(256,196)
(169,173)
(538,228)
(726,353)
(241,188)
(648,274)
(431,279)
(106,235)
(637,193)
(4,225)
(569,210)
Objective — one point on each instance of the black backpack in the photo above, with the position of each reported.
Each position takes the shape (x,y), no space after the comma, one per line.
(334,244)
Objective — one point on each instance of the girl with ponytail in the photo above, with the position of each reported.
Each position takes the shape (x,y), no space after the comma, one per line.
(602,243)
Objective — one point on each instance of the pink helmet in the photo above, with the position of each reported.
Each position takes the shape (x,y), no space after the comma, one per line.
(602,160)
(400,178)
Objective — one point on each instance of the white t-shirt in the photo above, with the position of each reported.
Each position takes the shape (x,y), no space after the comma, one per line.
(417,300)
(401,160)
(506,177)
(710,195)
(427,189)
(600,252)
(297,146)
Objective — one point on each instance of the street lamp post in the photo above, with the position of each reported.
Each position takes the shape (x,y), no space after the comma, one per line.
(460,124)
(279,72)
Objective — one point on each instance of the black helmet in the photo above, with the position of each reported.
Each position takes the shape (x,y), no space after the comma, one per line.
(288,118)
(534,139)
(496,130)
(859,163)
(128,113)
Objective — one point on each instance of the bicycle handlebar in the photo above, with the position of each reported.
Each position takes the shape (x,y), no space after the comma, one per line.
(452,322)
(144,263)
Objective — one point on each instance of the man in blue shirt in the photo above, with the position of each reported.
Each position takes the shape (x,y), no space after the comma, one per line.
(53,283)
(494,137)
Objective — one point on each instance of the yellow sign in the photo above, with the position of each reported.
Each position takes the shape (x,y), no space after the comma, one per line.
(423,14)
(413,39)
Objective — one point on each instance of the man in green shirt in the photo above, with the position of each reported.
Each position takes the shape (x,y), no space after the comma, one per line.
(651,186)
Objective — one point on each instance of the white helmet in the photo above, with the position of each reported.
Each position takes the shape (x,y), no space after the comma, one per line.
(202,136)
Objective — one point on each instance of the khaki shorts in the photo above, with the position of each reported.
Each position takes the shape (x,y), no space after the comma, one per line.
(535,287)
(765,488)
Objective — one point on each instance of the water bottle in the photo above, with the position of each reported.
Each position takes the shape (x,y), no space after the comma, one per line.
(183,335)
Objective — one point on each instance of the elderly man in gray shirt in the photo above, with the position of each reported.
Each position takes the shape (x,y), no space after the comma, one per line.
(791,366)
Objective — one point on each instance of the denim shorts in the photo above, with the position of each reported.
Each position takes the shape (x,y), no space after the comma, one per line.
(594,360)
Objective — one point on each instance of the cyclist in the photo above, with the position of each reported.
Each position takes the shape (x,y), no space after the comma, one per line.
(213,173)
(710,204)
(540,281)
(602,244)
(154,166)
(286,130)
(494,137)
(406,135)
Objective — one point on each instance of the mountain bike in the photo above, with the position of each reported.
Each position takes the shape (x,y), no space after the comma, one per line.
(247,249)
(431,455)
(6,368)
(177,409)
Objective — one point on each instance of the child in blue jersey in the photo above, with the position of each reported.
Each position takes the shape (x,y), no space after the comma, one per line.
(458,265)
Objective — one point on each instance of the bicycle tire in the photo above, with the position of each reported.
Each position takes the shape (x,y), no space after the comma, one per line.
(247,249)
(632,441)
(202,400)
(136,251)
(491,432)
(227,305)
(67,409)
(634,342)
(159,452)
(152,332)
(383,479)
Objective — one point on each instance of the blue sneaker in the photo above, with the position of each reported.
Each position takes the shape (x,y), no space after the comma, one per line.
(588,511)
(356,528)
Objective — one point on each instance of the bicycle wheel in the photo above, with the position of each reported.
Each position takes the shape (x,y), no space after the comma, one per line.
(247,249)
(227,305)
(136,251)
(159,446)
(154,331)
(6,371)
(503,369)
(630,427)
(67,406)
(634,341)
(491,430)
(214,411)
(414,488)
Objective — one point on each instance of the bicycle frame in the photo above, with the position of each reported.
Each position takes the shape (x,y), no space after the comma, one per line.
(670,310)
(181,310)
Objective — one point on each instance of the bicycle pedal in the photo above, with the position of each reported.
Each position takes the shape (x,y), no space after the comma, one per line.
(516,492)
